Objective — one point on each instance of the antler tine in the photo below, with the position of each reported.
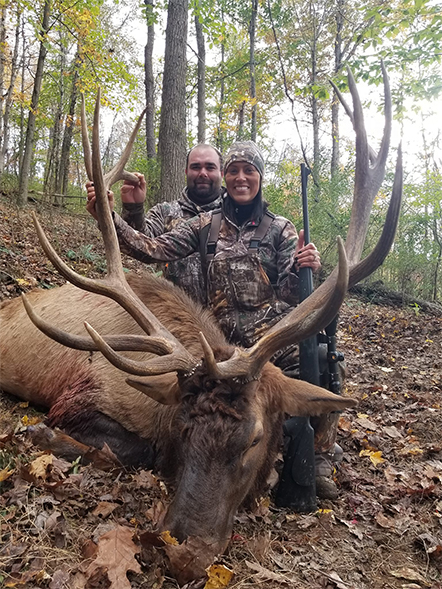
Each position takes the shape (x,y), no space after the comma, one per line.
(85,140)
(113,257)
(118,172)
(154,367)
(367,179)
(349,112)
(383,246)
(318,309)
(128,343)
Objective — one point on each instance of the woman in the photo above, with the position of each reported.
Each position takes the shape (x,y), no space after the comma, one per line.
(250,256)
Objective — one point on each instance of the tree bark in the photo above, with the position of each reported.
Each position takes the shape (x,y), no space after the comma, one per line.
(53,172)
(339,19)
(220,133)
(252,34)
(201,80)
(63,178)
(172,139)
(4,137)
(2,66)
(29,143)
(149,83)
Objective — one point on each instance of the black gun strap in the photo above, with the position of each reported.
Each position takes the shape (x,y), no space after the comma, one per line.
(260,231)
(212,238)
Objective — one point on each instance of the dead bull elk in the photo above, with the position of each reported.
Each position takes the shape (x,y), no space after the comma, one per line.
(205,414)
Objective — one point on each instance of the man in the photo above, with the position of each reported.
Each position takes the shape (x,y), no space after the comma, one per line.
(202,193)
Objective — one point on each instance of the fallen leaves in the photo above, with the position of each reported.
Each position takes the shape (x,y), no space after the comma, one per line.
(375,456)
(115,558)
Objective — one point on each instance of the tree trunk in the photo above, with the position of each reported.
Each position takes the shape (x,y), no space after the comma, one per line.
(240,134)
(220,134)
(29,143)
(149,83)
(21,144)
(201,80)
(339,18)
(4,141)
(2,67)
(172,139)
(53,173)
(63,178)
(252,33)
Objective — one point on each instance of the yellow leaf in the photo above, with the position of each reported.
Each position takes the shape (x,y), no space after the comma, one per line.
(38,467)
(5,474)
(30,420)
(219,576)
(375,456)
(361,415)
(324,511)
(23,282)
(24,405)
(167,537)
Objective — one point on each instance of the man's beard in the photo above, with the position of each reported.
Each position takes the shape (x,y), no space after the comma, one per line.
(203,193)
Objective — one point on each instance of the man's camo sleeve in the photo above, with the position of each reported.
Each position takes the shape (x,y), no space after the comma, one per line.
(151,223)
(175,245)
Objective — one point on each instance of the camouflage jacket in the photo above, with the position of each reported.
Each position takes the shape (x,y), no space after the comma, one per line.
(244,308)
(165,217)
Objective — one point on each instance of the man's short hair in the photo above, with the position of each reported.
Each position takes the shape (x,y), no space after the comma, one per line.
(220,155)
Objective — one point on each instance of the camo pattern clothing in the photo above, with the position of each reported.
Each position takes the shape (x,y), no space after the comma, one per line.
(165,217)
(248,293)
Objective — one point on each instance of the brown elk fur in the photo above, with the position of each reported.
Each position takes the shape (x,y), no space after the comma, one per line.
(219,429)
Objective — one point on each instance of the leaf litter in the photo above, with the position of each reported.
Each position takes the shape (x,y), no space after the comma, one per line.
(67,525)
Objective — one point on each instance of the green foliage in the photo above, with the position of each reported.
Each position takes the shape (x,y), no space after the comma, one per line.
(86,254)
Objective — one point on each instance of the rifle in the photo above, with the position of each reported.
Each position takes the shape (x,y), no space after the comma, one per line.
(318,361)
(297,486)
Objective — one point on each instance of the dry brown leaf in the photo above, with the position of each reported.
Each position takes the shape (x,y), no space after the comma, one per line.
(189,560)
(367,423)
(410,575)
(264,574)
(384,521)
(103,459)
(115,557)
(60,580)
(104,508)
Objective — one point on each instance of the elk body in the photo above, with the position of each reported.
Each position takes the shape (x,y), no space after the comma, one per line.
(216,445)
(205,414)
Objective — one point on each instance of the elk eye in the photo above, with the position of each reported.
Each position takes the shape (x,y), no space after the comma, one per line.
(256,441)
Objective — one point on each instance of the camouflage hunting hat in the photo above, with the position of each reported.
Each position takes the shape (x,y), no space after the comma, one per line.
(245,151)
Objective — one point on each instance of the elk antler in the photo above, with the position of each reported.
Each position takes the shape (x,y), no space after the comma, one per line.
(159,340)
(316,312)
(118,172)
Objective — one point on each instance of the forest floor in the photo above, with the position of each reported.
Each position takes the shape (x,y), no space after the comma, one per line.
(384,530)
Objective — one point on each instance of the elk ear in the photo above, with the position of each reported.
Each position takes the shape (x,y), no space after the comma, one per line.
(163,389)
(303,399)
